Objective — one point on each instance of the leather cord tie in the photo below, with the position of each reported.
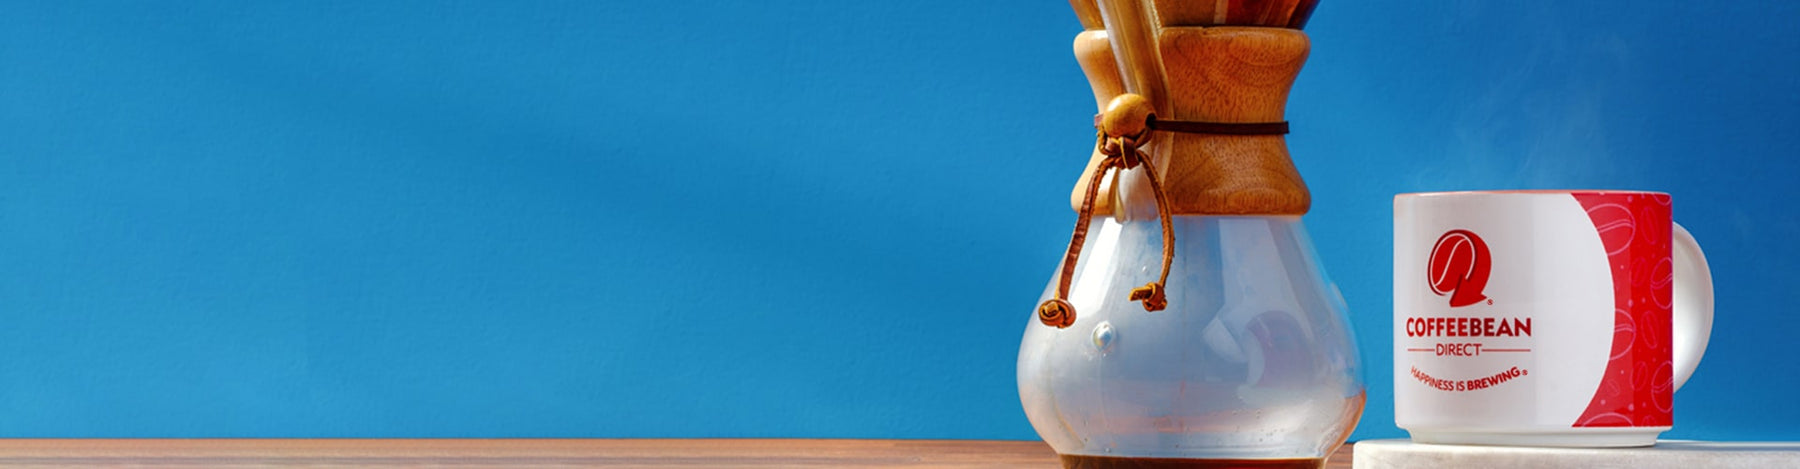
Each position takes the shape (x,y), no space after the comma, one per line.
(1218,128)
(1126,125)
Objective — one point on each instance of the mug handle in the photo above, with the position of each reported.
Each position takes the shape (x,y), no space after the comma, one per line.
(1693,298)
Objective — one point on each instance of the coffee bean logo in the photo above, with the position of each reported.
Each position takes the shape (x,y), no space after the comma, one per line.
(1459,267)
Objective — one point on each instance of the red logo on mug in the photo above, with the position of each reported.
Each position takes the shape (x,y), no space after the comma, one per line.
(1459,267)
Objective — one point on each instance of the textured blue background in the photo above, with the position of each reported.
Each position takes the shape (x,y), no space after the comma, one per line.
(811,218)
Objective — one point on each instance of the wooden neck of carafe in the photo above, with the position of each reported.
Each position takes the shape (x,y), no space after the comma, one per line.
(1223,74)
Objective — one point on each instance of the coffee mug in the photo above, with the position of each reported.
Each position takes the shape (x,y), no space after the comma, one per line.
(1544,318)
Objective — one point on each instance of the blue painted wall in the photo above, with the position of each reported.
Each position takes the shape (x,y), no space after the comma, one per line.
(754,219)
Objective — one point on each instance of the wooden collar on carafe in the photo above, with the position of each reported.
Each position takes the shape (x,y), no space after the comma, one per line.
(1128,123)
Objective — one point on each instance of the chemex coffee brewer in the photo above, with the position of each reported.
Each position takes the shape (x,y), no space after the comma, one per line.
(1190,324)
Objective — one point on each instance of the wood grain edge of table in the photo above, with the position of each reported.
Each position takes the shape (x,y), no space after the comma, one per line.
(537,453)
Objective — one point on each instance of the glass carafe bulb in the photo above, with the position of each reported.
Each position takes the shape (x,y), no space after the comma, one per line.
(1252,359)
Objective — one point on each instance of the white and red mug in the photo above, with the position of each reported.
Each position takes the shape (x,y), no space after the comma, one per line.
(1544,318)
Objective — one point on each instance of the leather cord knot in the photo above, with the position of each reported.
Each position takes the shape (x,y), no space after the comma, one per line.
(1121,130)
(1056,313)
(1152,296)
(1129,122)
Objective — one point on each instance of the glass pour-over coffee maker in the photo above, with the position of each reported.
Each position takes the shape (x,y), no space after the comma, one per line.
(1190,324)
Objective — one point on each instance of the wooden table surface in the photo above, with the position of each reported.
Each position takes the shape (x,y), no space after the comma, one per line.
(536,453)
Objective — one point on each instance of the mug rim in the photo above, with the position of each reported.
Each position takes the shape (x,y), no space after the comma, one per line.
(1412,195)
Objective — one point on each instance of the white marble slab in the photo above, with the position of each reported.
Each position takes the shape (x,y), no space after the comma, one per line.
(1404,454)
